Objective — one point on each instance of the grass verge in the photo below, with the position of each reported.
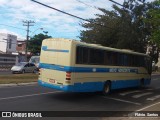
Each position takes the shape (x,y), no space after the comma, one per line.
(18,78)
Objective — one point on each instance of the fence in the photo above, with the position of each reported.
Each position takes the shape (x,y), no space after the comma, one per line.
(7,61)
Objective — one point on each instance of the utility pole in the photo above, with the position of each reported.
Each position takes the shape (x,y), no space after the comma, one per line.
(28,24)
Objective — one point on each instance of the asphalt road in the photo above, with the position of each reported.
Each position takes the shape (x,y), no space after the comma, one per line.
(37,98)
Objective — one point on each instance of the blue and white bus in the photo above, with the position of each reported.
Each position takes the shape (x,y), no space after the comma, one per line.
(74,66)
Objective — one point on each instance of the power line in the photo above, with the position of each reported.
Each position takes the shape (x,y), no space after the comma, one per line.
(61,11)
(70,14)
(87,4)
(116,3)
(13,26)
(124,7)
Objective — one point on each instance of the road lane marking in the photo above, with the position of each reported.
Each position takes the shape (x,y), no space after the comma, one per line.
(157,88)
(129,92)
(141,95)
(148,106)
(126,101)
(153,98)
(132,115)
(7,98)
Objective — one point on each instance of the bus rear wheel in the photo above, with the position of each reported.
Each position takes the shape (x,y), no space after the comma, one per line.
(107,88)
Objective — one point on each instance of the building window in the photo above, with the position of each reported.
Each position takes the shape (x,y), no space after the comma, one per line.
(10,43)
(19,45)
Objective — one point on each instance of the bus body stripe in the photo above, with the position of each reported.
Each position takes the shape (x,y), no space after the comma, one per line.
(45,48)
(87,69)
(94,86)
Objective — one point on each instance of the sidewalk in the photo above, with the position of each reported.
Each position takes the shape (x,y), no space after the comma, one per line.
(17,84)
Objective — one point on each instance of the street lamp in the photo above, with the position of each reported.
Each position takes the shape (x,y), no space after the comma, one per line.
(46,32)
(36,30)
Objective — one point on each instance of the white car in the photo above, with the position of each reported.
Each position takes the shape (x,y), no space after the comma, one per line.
(23,67)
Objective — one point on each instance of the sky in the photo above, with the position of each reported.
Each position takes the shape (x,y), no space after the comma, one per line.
(58,25)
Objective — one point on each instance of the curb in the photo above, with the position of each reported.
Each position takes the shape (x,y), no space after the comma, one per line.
(17,84)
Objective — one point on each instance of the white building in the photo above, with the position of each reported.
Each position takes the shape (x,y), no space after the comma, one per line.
(8,43)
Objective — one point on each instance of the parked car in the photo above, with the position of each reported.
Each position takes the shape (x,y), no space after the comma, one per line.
(23,67)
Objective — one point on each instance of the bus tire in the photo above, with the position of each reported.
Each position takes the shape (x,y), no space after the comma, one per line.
(107,88)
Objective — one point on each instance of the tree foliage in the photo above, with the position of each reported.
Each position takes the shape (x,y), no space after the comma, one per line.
(122,28)
(154,21)
(34,44)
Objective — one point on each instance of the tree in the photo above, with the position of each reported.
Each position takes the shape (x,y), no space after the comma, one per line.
(120,28)
(154,21)
(34,44)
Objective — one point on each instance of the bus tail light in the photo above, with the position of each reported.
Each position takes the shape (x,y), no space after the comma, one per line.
(39,71)
(68,75)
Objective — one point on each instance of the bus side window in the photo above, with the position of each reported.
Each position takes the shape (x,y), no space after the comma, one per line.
(82,55)
(85,55)
(120,59)
(79,55)
(111,58)
(125,60)
(135,61)
(96,56)
(130,60)
(114,58)
(107,58)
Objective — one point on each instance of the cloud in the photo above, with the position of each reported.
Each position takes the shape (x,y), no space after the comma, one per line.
(22,9)
(11,32)
(19,10)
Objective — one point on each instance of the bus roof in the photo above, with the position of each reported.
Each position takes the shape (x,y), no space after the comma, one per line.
(98,46)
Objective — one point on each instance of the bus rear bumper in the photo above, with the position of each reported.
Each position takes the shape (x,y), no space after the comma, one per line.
(78,87)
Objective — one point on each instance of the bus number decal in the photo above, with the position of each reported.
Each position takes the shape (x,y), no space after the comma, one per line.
(124,70)
(113,70)
(121,70)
